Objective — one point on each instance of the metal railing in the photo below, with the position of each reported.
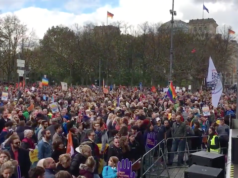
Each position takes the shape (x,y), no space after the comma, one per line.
(154,161)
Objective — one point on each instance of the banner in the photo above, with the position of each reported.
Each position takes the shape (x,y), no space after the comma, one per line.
(64,86)
(124,169)
(33,155)
(214,80)
(54,107)
(4,96)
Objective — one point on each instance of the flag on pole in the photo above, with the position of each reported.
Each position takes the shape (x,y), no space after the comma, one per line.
(231,32)
(45,82)
(153,89)
(110,15)
(70,148)
(214,80)
(205,8)
(171,93)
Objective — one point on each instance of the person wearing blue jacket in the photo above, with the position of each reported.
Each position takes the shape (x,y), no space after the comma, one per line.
(5,131)
(110,171)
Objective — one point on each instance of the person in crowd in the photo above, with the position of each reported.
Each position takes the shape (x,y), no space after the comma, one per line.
(87,169)
(124,144)
(40,163)
(4,156)
(4,119)
(197,140)
(27,143)
(58,149)
(49,165)
(45,145)
(179,134)
(110,171)
(20,155)
(5,131)
(64,163)
(7,170)
(213,143)
(54,121)
(168,136)
(58,133)
(98,132)
(83,152)
(223,133)
(37,172)
(64,174)
(44,125)
(20,129)
(115,149)
(134,152)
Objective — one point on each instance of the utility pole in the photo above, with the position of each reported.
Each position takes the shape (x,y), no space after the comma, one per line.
(173,13)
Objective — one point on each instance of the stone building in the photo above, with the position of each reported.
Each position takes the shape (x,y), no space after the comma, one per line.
(202,26)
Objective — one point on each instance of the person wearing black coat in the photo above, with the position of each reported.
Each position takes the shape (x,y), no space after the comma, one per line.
(21,155)
(83,152)
(115,150)
(4,119)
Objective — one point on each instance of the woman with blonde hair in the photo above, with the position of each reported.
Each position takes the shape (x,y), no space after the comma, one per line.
(7,169)
(87,169)
(83,152)
(64,162)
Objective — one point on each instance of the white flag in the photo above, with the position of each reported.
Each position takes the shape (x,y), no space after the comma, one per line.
(64,86)
(213,78)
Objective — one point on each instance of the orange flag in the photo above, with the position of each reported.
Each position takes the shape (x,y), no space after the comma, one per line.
(70,148)
(30,108)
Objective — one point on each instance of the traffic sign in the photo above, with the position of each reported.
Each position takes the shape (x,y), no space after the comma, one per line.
(20,63)
(20,72)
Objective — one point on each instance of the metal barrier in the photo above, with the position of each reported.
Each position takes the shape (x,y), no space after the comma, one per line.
(154,161)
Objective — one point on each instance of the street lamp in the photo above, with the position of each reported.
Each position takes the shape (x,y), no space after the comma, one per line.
(173,13)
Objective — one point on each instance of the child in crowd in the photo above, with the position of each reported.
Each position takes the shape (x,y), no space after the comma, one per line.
(87,169)
(110,171)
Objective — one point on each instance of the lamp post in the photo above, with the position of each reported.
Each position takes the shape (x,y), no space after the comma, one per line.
(173,13)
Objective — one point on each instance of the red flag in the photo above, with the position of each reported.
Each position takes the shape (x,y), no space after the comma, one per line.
(153,89)
(193,51)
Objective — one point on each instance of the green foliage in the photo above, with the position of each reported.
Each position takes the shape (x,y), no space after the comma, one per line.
(73,55)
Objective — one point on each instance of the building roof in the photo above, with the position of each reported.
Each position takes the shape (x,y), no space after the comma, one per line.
(198,21)
(178,25)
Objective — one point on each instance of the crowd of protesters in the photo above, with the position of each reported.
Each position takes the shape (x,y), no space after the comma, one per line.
(104,128)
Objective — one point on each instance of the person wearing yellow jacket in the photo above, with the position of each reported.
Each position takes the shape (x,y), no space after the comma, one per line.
(213,144)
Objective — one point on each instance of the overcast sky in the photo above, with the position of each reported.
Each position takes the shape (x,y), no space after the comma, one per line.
(42,14)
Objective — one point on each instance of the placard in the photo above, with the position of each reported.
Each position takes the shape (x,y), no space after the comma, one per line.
(54,107)
(33,155)
(150,140)
(124,169)
(4,96)
(206,111)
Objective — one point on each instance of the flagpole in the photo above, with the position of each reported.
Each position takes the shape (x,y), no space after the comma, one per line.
(203,10)
(107,18)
